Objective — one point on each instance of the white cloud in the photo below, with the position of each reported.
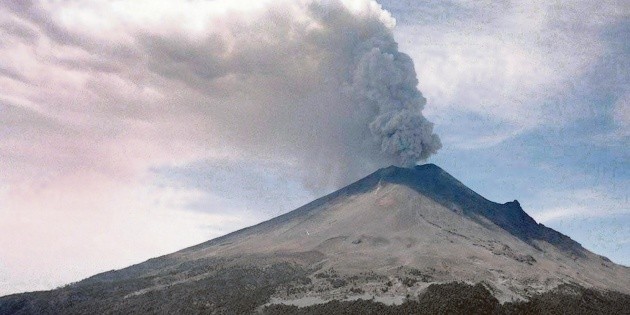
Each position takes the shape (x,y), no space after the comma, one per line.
(594,202)
(315,85)
(621,114)
(508,67)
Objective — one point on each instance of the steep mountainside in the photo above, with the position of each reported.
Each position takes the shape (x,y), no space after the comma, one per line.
(387,237)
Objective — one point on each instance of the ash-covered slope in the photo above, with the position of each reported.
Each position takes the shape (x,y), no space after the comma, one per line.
(423,218)
(388,236)
(433,183)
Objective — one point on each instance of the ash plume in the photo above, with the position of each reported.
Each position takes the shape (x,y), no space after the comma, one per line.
(318,87)
(386,79)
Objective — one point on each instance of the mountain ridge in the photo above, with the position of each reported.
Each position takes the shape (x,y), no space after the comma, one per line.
(427,179)
(424,179)
(393,234)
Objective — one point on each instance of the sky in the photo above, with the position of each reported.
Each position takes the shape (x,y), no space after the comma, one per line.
(130,130)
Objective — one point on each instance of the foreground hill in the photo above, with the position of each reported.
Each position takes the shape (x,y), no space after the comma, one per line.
(398,240)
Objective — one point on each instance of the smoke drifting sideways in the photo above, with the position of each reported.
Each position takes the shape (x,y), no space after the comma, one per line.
(354,104)
(317,87)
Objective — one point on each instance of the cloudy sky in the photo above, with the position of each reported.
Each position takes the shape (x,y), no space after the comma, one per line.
(131,129)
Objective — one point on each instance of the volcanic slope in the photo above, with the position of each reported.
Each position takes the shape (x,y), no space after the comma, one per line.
(423,218)
(387,236)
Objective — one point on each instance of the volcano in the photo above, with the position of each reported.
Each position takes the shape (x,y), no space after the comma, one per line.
(393,237)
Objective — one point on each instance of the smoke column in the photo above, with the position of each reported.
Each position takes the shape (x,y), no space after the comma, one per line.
(315,87)
(385,79)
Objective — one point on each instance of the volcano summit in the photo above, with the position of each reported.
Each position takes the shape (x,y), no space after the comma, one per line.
(394,238)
